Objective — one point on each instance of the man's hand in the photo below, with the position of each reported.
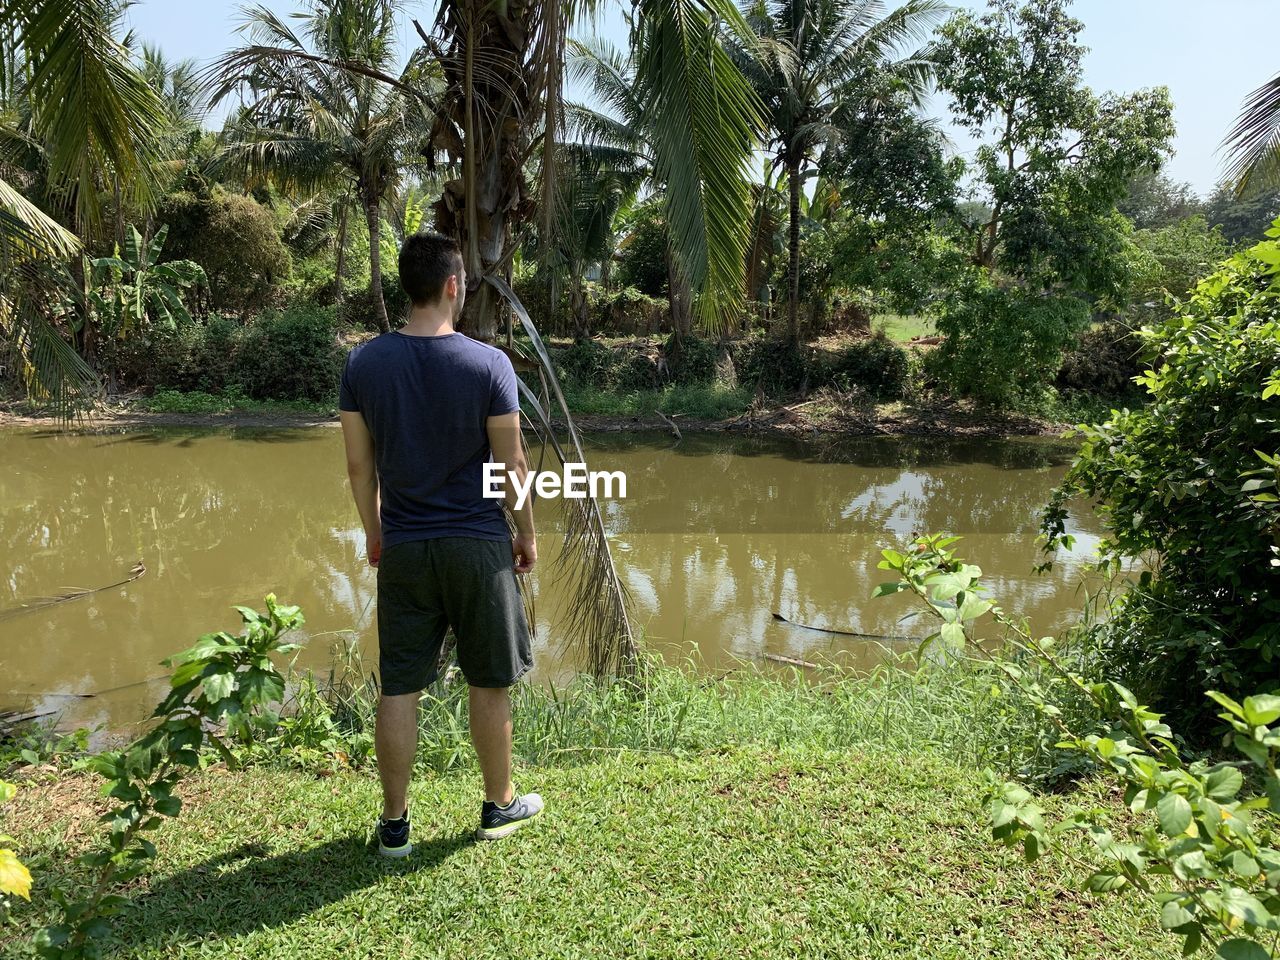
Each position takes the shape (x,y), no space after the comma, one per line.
(524,551)
(373,544)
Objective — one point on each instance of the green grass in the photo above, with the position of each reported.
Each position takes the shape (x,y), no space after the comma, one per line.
(738,852)
(702,401)
(903,328)
(197,402)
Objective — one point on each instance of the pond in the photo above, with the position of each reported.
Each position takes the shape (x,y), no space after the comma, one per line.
(716,536)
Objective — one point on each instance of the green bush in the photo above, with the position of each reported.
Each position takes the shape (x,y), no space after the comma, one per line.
(1106,361)
(691,359)
(772,365)
(237,241)
(293,355)
(876,364)
(593,365)
(1190,480)
(1004,345)
(628,311)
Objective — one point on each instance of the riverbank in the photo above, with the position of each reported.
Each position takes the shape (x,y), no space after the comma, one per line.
(824,415)
(740,851)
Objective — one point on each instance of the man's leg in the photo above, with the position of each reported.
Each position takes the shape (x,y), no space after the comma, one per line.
(491,736)
(396,740)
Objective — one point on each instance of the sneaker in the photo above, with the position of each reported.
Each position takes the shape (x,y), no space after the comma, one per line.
(497,822)
(393,837)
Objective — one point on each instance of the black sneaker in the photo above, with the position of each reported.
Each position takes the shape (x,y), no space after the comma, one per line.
(497,822)
(393,837)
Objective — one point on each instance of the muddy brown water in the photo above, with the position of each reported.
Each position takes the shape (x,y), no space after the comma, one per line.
(716,535)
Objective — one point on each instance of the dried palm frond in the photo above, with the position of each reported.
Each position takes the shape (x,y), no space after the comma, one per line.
(596,620)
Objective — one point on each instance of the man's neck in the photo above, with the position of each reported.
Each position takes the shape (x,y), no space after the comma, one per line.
(428,322)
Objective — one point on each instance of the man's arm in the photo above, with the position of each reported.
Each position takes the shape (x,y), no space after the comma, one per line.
(504,441)
(362,471)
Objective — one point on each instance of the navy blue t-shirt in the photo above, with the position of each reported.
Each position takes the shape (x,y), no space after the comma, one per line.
(425,401)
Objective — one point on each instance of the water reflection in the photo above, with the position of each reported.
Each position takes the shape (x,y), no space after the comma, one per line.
(717,535)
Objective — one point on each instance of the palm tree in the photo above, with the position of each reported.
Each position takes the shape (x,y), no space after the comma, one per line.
(618,132)
(501,108)
(71,96)
(1254,142)
(317,118)
(815,56)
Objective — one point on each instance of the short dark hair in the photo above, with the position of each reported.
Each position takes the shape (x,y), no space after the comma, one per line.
(427,260)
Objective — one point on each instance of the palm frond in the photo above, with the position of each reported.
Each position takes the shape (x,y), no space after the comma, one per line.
(703,117)
(1253,144)
(597,621)
(28,233)
(92,107)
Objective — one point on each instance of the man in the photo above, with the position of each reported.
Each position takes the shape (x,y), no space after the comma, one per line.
(423,409)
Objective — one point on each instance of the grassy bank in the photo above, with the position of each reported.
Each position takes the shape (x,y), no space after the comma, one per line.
(751,815)
(742,852)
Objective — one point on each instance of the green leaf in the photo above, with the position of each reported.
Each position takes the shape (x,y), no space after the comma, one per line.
(1174,915)
(218,686)
(1174,813)
(1262,709)
(1223,783)
(1242,904)
(952,634)
(887,589)
(1241,949)
(1105,881)
(169,806)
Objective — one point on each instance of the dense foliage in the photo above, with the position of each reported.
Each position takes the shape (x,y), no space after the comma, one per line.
(1188,482)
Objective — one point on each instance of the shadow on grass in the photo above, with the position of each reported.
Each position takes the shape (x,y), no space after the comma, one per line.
(248,889)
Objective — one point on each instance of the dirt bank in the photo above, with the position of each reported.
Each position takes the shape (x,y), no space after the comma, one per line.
(813,418)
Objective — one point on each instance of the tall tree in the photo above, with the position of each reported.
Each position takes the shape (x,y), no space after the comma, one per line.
(318,116)
(817,57)
(1055,159)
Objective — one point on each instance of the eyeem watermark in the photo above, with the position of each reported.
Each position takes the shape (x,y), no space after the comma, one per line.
(574,483)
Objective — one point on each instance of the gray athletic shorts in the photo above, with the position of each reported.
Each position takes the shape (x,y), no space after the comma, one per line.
(427,586)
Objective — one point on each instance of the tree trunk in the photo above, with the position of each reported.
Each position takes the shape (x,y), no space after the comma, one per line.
(793,252)
(487,130)
(340,267)
(375,264)
(679,297)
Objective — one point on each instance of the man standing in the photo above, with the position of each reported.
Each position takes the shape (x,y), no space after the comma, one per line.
(423,409)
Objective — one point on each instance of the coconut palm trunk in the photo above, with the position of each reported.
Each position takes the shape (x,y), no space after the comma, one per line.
(793,250)
(373,216)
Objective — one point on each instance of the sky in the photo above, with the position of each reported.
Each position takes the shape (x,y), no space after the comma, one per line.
(1210,55)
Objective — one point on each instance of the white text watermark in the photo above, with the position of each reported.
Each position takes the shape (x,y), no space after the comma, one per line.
(575,482)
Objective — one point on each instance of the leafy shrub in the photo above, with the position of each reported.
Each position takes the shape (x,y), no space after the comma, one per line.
(876,364)
(591,364)
(1106,361)
(642,254)
(691,359)
(628,311)
(236,239)
(359,307)
(1004,345)
(1202,844)
(1191,478)
(772,365)
(222,686)
(293,355)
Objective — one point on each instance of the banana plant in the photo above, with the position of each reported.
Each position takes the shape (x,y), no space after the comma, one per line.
(132,289)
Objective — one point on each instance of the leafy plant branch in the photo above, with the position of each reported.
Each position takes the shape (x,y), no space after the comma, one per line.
(223,682)
(1212,838)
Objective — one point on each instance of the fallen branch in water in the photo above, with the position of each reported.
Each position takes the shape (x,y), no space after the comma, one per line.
(844,633)
(78,593)
(670,423)
(792,661)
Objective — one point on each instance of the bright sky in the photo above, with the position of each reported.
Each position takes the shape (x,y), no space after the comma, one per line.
(1210,55)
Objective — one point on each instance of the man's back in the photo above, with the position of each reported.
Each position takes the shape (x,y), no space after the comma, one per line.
(426,401)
